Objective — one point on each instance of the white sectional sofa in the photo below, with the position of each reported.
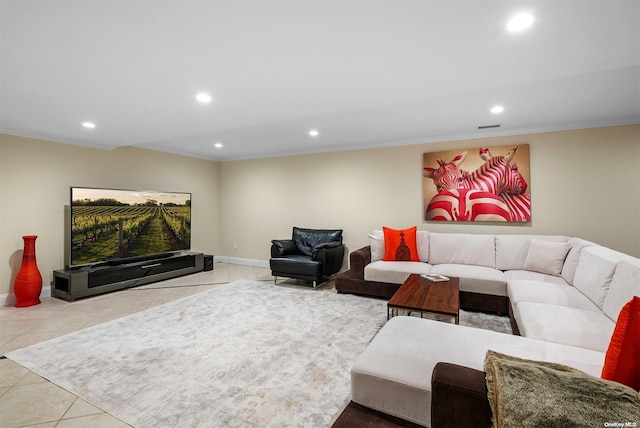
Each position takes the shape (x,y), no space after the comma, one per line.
(564,296)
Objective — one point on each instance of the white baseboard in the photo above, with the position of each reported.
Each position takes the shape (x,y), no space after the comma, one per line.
(9,299)
(241,261)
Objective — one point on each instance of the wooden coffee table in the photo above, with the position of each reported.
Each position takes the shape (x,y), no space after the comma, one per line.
(417,294)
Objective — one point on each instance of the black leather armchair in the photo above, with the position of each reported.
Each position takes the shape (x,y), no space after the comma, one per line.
(310,254)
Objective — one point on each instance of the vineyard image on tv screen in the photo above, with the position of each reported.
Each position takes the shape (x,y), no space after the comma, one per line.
(109,224)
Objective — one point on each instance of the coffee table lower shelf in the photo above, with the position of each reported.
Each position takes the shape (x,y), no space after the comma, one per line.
(394,312)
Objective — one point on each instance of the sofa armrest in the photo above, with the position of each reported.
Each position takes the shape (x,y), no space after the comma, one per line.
(358,259)
(331,256)
(459,397)
(332,244)
(282,247)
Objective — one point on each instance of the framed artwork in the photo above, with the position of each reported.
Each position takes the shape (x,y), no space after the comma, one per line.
(481,184)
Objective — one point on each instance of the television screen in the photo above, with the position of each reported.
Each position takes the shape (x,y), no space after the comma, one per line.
(110,224)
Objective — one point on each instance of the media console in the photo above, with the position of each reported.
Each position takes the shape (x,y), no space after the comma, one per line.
(71,284)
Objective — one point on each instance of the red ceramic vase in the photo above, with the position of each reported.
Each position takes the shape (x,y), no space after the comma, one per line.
(28,283)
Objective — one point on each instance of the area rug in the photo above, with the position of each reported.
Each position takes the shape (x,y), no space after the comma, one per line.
(243,354)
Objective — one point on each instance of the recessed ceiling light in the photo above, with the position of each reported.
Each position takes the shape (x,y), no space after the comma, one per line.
(203,98)
(218,145)
(89,125)
(314,133)
(520,22)
(497,109)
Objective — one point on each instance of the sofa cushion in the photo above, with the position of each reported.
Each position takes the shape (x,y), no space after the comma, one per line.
(571,262)
(622,360)
(561,324)
(595,271)
(475,279)
(546,257)
(512,250)
(624,285)
(527,275)
(547,394)
(393,373)
(400,244)
(393,272)
(545,292)
(376,241)
(462,248)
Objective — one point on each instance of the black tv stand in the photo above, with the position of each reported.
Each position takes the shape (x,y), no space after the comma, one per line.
(71,284)
(121,262)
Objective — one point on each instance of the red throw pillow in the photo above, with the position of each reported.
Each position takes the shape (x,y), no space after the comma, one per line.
(400,245)
(622,360)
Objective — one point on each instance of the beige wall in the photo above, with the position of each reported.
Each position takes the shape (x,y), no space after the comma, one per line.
(35,177)
(584,183)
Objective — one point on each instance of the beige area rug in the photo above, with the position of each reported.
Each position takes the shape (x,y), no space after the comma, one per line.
(245,354)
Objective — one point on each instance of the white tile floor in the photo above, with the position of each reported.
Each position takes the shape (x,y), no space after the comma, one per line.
(28,400)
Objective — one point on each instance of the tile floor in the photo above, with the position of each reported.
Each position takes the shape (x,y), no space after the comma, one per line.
(28,400)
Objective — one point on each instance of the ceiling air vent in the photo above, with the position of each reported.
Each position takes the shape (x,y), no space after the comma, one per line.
(488,126)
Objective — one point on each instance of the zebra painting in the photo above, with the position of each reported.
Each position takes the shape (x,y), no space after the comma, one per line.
(497,178)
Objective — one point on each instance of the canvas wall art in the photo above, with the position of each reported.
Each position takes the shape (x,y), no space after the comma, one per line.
(485,184)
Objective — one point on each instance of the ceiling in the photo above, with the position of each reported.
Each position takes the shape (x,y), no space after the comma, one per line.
(363,73)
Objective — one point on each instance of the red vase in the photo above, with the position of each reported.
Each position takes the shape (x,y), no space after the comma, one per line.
(28,283)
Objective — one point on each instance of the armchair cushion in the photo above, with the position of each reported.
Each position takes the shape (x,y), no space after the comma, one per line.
(296,266)
(307,239)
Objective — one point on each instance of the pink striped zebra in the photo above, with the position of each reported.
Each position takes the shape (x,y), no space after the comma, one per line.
(499,176)
(467,205)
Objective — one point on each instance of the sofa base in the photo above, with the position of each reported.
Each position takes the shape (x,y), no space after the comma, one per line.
(459,399)
(347,283)
(357,415)
(484,303)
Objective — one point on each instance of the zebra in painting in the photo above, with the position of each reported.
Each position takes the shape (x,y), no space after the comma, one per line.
(498,176)
(467,205)
(448,175)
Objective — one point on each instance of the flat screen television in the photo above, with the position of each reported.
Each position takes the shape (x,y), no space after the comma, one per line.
(111,226)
